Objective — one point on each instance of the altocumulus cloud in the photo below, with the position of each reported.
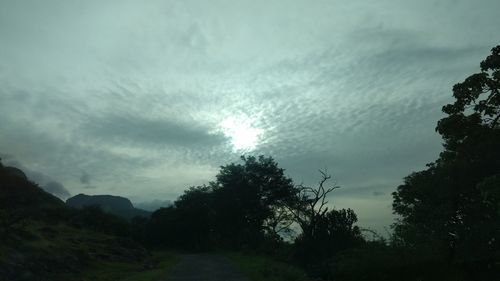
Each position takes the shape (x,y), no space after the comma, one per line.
(143,131)
(134,94)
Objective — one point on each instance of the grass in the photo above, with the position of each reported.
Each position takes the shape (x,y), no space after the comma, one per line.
(66,241)
(123,271)
(166,262)
(262,268)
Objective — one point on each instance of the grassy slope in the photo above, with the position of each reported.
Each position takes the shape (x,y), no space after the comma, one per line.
(262,268)
(126,271)
(41,239)
(63,252)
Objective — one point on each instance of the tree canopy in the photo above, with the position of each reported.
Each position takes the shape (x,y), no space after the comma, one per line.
(452,208)
(246,197)
(241,208)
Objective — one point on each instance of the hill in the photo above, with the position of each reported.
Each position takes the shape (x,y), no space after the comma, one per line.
(42,239)
(116,205)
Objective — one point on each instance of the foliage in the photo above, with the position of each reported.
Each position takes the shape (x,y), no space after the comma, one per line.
(249,207)
(247,198)
(186,225)
(451,210)
(311,206)
(377,261)
(93,217)
(325,232)
(262,268)
(240,209)
(477,103)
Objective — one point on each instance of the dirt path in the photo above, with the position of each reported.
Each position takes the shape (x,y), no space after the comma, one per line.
(204,267)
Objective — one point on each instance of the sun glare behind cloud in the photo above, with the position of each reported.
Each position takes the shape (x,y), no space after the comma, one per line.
(243,134)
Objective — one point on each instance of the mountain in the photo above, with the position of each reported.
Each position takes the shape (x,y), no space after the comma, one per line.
(42,239)
(20,198)
(14,172)
(115,205)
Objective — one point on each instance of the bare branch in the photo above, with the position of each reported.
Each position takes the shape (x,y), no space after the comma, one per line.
(313,203)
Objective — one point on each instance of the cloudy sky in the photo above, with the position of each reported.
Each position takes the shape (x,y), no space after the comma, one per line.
(145,98)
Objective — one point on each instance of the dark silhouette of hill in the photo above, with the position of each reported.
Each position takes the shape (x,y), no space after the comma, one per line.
(13,171)
(21,198)
(116,205)
(43,239)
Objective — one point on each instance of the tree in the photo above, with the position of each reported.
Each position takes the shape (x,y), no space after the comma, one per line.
(425,209)
(249,200)
(451,208)
(312,205)
(477,102)
(187,225)
(195,210)
(325,232)
(243,207)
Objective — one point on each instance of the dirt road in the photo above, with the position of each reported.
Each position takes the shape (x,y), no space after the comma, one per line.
(205,267)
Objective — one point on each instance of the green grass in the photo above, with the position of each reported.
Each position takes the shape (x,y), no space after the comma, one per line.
(67,241)
(122,271)
(166,262)
(261,268)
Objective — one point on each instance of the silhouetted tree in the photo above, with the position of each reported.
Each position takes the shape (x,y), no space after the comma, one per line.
(195,211)
(325,232)
(187,224)
(162,229)
(450,210)
(248,200)
(311,205)
(242,208)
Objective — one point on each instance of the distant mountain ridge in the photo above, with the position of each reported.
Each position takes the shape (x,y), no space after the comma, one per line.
(115,205)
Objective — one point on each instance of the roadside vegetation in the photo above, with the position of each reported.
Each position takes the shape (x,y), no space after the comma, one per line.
(265,268)
(159,265)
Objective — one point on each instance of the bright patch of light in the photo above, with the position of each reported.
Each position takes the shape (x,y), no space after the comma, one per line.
(242,133)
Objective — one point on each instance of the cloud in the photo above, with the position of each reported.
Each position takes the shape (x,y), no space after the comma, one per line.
(5,156)
(135,101)
(46,182)
(139,130)
(57,189)
(85,181)
(85,178)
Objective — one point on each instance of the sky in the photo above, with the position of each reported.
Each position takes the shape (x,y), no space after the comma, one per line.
(145,98)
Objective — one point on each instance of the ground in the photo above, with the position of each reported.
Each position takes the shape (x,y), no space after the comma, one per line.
(206,267)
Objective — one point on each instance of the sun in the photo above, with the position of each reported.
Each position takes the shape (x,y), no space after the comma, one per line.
(244,136)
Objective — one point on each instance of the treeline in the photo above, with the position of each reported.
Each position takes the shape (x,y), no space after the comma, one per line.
(448,215)
(254,207)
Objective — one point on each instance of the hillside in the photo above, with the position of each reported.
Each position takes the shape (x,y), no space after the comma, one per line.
(116,205)
(42,239)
